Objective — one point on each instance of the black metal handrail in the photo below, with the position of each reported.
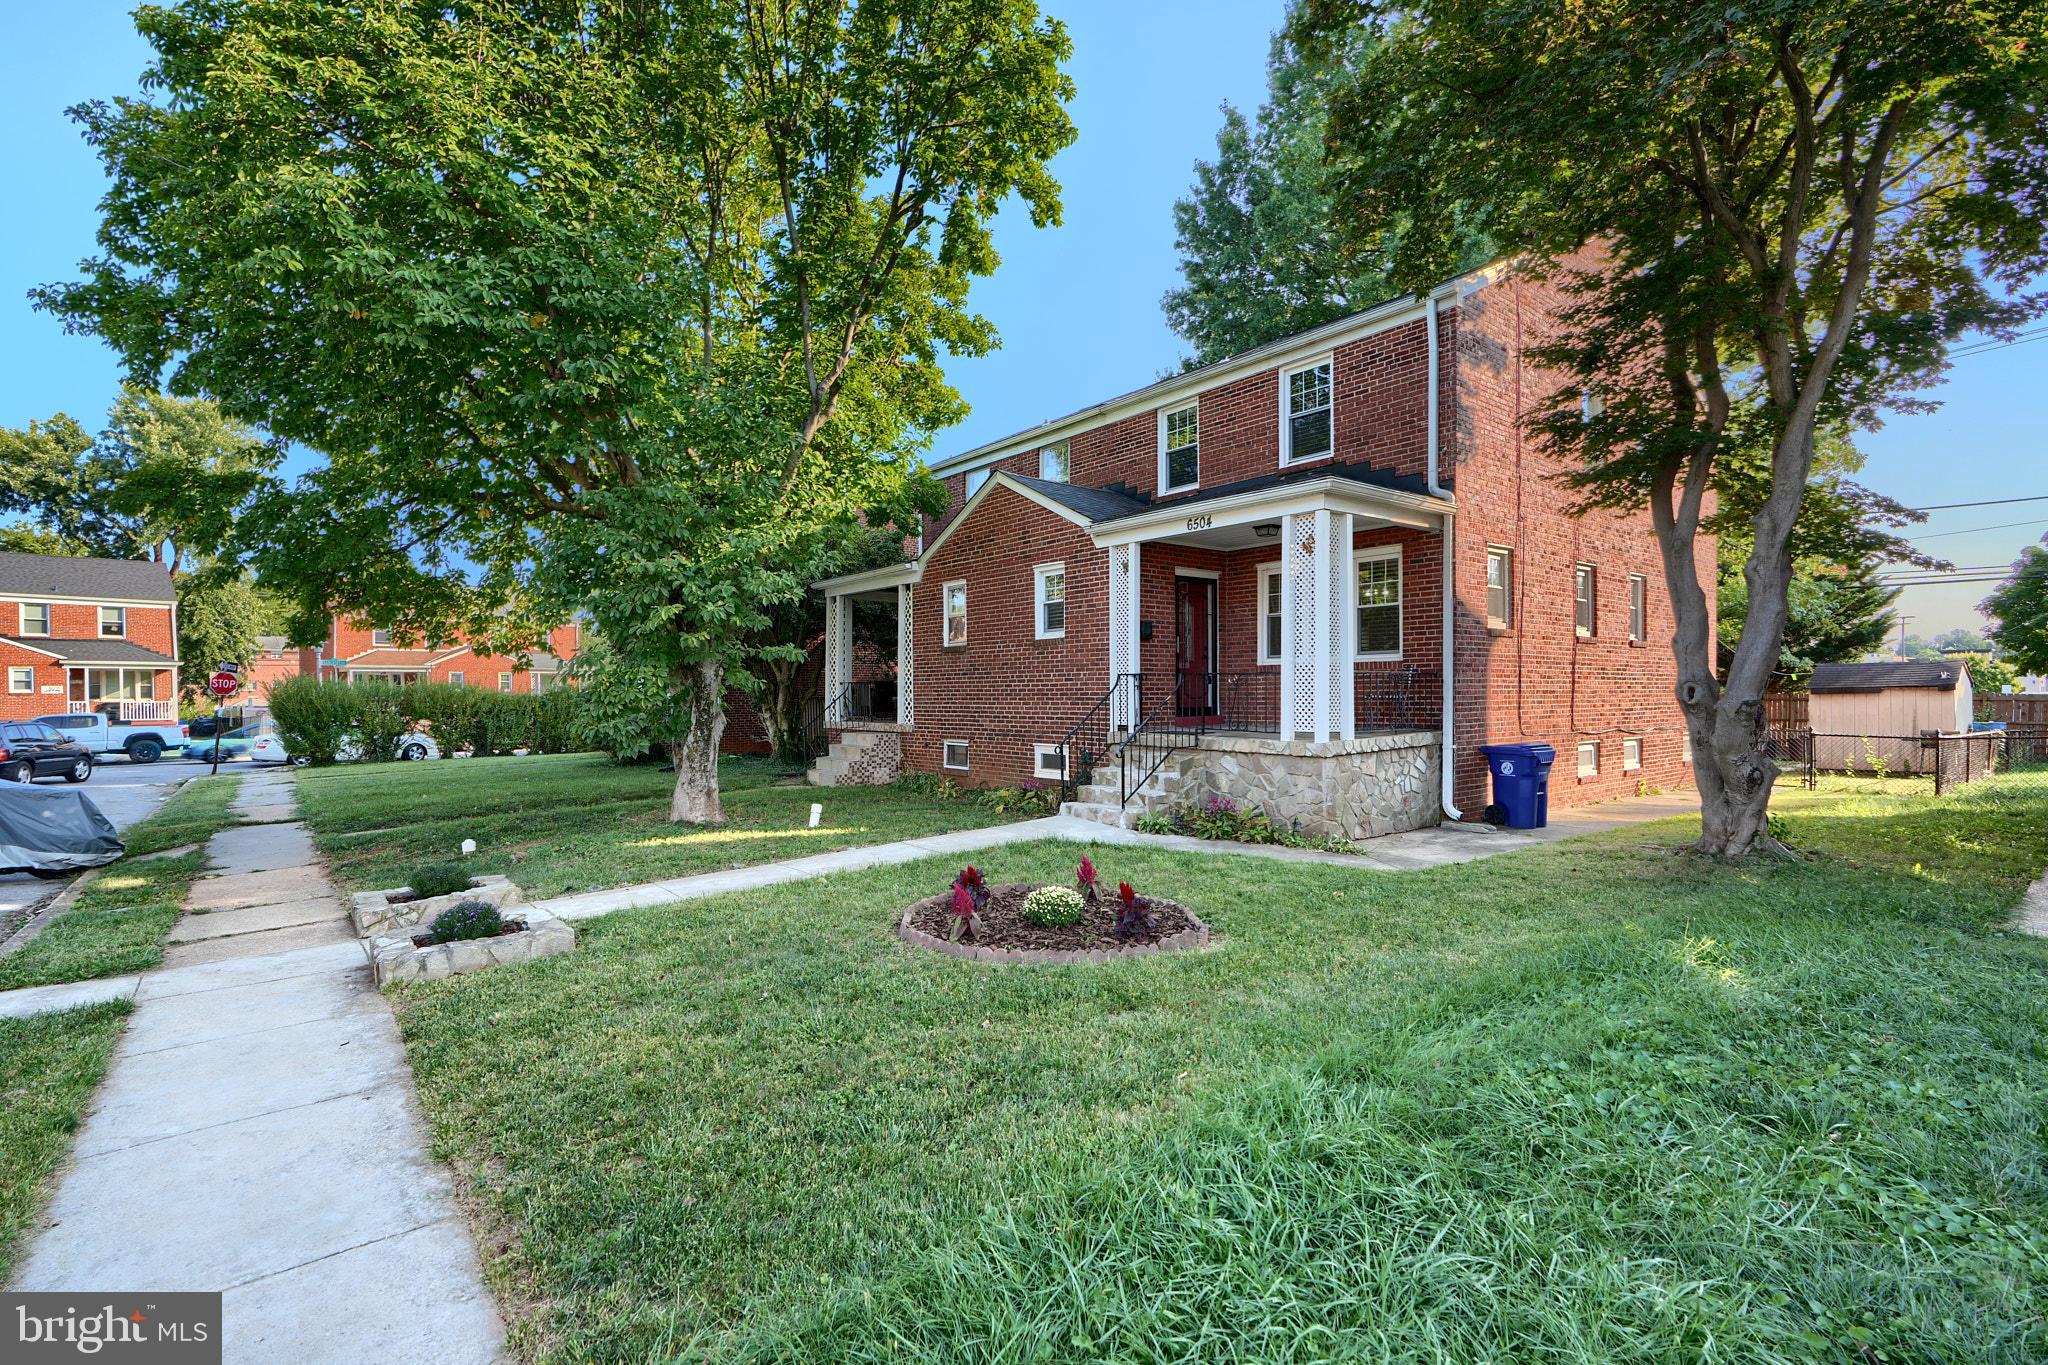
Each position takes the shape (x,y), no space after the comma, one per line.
(1155,739)
(1077,757)
(863,703)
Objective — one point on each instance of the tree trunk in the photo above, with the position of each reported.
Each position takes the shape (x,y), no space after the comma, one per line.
(781,707)
(696,796)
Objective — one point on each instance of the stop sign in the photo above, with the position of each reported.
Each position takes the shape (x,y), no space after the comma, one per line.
(223,684)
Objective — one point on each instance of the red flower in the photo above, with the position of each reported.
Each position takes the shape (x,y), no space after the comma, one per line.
(1085,873)
(963,903)
(1124,893)
(972,876)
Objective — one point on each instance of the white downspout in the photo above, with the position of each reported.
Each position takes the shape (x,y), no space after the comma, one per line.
(1449,577)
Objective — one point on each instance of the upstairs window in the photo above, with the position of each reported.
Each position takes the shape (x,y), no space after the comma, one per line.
(954,614)
(1500,587)
(976,478)
(1053,463)
(1379,604)
(113,622)
(1638,608)
(1049,593)
(1585,600)
(1180,449)
(380,638)
(35,618)
(1305,398)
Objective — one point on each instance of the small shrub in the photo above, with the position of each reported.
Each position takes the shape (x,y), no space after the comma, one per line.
(1133,912)
(1778,827)
(1221,818)
(928,784)
(438,879)
(1050,907)
(466,919)
(1026,798)
(314,719)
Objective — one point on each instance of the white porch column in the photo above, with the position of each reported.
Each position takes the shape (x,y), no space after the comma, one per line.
(1315,662)
(838,656)
(1343,619)
(906,642)
(1124,652)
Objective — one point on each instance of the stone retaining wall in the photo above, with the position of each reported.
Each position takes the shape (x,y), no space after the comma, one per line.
(1346,789)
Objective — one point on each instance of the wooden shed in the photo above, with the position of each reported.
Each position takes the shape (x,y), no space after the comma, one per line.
(1867,715)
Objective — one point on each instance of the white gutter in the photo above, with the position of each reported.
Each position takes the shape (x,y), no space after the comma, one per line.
(1449,577)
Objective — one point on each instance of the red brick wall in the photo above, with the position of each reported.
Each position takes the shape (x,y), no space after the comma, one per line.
(147,626)
(346,638)
(1537,680)
(1005,690)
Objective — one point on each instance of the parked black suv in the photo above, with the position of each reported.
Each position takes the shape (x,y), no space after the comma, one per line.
(30,749)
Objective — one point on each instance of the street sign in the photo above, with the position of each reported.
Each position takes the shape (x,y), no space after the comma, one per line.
(227,668)
(223,684)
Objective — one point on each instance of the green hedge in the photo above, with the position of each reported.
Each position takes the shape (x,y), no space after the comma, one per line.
(316,718)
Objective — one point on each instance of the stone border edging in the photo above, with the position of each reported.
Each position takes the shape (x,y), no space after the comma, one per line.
(1186,940)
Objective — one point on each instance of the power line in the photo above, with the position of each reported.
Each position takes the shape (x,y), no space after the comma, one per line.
(2001,526)
(1988,502)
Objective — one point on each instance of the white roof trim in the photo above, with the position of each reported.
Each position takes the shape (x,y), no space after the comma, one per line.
(1176,389)
(160,603)
(1001,479)
(888,576)
(1417,510)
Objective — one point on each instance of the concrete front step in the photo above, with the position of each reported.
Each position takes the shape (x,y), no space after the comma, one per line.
(1102,813)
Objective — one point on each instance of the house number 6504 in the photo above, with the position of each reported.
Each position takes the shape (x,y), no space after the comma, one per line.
(1201,523)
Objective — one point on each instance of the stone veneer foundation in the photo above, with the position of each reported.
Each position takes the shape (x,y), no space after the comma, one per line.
(1346,789)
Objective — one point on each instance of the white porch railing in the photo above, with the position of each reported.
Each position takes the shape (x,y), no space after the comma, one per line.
(144,712)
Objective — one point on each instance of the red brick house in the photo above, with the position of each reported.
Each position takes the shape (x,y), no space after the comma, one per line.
(1232,582)
(82,635)
(355,651)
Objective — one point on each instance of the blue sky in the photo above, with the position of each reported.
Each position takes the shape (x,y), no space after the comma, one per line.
(1077,306)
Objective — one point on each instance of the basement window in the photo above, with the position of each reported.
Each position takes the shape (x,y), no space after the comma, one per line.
(953,754)
(1046,761)
(1631,755)
(1589,759)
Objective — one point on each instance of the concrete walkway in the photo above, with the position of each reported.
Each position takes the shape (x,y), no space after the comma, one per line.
(1394,853)
(256,1132)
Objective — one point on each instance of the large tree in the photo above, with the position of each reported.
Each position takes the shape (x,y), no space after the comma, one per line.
(2018,609)
(1806,201)
(631,303)
(165,481)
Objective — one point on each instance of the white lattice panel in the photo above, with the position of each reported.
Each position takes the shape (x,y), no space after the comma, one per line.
(1123,626)
(1337,617)
(1303,621)
(906,653)
(838,657)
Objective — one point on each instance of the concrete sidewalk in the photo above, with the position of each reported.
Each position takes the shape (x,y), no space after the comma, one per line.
(256,1133)
(1394,853)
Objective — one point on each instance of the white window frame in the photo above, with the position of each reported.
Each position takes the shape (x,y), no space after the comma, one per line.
(15,673)
(380,639)
(49,618)
(1063,452)
(946,755)
(1039,574)
(1505,555)
(946,614)
(1631,755)
(457,678)
(504,682)
(976,478)
(1358,560)
(1166,485)
(120,616)
(1270,611)
(1589,748)
(1042,752)
(1287,455)
(1638,608)
(1590,575)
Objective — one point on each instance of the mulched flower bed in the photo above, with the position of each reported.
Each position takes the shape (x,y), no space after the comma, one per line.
(1007,936)
(510,926)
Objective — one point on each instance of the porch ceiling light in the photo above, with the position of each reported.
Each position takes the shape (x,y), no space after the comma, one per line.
(1267,530)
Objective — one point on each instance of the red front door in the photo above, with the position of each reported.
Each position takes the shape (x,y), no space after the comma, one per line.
(1194,620)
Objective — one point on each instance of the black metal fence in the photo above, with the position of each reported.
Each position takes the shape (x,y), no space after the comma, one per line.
(2017,754)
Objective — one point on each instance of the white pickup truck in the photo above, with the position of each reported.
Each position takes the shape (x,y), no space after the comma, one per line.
(143,743)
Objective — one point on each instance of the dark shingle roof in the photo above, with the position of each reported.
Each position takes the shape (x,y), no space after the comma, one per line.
(134,580)
(93,651)
(1878,677)
(1096,504)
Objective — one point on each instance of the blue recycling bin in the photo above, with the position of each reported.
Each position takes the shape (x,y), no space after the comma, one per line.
(1521,782)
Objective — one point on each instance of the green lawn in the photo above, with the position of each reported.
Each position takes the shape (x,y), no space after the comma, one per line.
(577,822)
(1596,1101)
(49,1066)
(117,924)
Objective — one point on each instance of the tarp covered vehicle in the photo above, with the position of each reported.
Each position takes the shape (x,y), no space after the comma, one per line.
(53,831)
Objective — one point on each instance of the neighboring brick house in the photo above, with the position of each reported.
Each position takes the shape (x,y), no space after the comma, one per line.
(355,651)
(1237,574)
(80,634)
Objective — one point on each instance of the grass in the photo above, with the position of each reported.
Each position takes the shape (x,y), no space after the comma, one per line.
(1596,1101)
(49,1066)
(577,822)
(117,924)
